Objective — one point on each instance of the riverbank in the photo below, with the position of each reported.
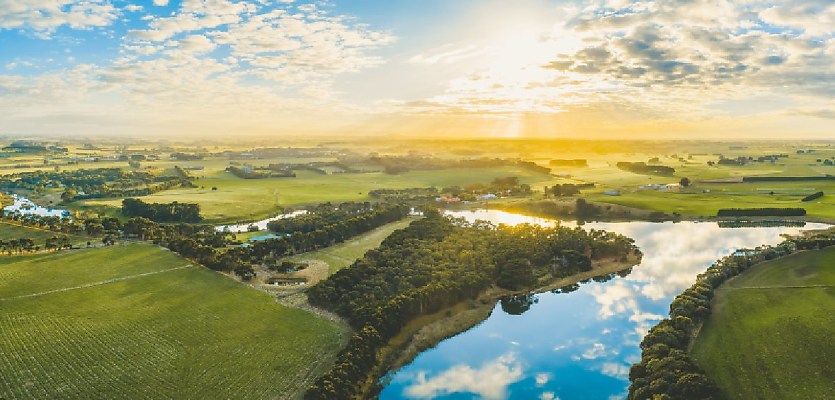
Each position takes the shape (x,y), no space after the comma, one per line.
(427,331)
(566,210)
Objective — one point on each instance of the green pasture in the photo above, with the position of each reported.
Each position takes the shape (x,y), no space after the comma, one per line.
(344,254)
(9,231)
(770,334)
(237,199)
(136,321)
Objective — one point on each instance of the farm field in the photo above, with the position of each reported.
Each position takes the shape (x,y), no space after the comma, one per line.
(10,231)
(344,254)
(239,200)
(770,334)
(136,321)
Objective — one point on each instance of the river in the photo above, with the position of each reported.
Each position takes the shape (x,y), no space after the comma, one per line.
(577,345)
(24,206)
(260,225)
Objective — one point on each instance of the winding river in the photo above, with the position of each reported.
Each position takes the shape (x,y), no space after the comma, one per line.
(576,345)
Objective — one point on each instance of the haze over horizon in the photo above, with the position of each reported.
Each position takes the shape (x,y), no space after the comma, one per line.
(496,68)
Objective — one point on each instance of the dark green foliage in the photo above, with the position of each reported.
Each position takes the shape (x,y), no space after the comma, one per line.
(813,196)
(247,173)
(761,212)
(93,183)
(567,189)
(787,178)
(162,212)
(186,156)
(643,168)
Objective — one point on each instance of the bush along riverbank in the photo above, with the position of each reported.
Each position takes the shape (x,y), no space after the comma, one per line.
(666,370)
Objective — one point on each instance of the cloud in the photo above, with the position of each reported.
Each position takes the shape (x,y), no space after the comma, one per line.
(597,350)
(448,54)
(490,381)
(542,379)
(615,370)
(43,17)
(633,62)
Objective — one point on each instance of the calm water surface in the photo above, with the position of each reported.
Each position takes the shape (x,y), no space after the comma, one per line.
(24,206)
(261,225)
(576,345)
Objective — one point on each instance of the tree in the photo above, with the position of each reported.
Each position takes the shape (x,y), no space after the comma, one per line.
(68,195)
(684,182)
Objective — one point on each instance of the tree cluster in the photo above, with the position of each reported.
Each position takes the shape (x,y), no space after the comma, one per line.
(644,169)
(93,183)
(761,212)
(162,212)
(813,196)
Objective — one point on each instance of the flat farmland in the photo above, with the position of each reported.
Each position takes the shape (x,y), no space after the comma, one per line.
(9,231)
(770,333)
(238,199)
(136,321)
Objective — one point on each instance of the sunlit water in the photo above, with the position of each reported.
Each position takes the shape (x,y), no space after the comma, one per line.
(576,345)
(261,225)
(24,206)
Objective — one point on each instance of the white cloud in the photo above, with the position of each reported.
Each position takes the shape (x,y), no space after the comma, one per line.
(490,381)
(42,17)
(548,396)
(596,351)
(542,379)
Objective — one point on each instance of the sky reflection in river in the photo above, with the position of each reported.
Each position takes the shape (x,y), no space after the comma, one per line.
(576,345)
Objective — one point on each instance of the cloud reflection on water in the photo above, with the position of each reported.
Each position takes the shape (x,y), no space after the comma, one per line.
(490,381)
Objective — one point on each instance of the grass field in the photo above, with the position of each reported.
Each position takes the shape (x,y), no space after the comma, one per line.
(136,321)
(9,231)
(251,199)
(344,254)
(770,335)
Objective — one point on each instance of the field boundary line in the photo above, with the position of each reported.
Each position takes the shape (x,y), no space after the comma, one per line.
(781,287)
(99,283)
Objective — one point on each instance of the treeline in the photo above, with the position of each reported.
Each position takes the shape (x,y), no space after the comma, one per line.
(317,167)
(259,173)
(666,370)
(787,178)
(566,189)
(209,247)
(813,196)
(437,262)
(645,169)
(185,156)
(761,212)
(327,214)
(409,194)
(569,163)
(93,183)
(399,164)
(761,224)
(162,212)
(25,244)
(247,173)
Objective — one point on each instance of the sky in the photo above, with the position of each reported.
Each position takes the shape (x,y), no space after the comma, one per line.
(654,69)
